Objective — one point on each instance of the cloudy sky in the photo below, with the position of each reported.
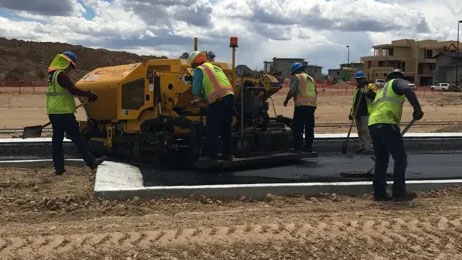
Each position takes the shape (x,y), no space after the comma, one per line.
(317,30)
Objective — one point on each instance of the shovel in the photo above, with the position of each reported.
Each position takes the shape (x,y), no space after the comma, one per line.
(345,143)
(36,130)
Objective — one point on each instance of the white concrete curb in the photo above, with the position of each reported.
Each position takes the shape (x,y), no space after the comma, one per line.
(123,181)
(117,176)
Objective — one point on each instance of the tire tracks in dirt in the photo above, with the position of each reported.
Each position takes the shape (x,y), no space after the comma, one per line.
(437,235)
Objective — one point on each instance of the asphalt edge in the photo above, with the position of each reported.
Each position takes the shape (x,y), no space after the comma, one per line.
(121,181)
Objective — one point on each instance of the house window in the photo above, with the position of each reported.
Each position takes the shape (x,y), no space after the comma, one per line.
(385,74)
(381,63)
(429,54)
(376,74)
(420,69)
(338,73)
(369,64)
(403,66)
(390,51)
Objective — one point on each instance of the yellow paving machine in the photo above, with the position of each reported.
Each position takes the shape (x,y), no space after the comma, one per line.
(144,113)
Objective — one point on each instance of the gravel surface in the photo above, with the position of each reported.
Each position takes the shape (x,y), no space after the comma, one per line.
(48,217)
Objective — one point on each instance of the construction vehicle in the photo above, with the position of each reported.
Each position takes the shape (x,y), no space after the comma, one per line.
(144,112)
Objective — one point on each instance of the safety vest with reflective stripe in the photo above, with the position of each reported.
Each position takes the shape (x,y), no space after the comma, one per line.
(59,99)
(306,91)
(387,106)
(364,90)
(215,83)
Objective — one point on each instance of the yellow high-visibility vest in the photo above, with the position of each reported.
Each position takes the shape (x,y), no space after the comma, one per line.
(306,91)
(365,89)
(387,106)
(59,99)
(215,83)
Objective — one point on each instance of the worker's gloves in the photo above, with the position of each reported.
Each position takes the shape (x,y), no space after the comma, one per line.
(92,97)
(417,115)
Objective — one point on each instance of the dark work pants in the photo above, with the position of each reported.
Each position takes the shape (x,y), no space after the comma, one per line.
(303,120)
(66,123)
(219,121)
(387,140)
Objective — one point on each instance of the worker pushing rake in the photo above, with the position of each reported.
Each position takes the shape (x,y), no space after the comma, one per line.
(359,113)
(384,121)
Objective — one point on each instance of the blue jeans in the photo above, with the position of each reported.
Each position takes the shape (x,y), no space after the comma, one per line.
(66,123)
(303,121)
(219,121)
(386,139)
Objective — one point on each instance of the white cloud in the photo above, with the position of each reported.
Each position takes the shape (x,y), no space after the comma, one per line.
(44,7)
(317,30)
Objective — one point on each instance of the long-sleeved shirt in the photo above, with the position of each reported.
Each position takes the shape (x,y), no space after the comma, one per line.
(362,109)
(65,81)
(402,87)
(197,83)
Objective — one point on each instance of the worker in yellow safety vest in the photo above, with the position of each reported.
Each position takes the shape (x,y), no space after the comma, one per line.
(384,121)
(303,90)
(212,86)
(61,108)
(360,109)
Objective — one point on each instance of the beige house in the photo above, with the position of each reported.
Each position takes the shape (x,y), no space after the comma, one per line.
(281,66)
(415,58)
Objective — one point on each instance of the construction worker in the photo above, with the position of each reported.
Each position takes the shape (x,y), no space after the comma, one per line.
(303,90)
(61,108)
(384,121)
(360,109)
(212,86)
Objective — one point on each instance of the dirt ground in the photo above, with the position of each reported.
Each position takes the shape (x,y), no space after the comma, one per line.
(48,217)
(29,108)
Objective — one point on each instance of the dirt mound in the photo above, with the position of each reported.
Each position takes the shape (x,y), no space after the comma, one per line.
(47,217)
(26,62)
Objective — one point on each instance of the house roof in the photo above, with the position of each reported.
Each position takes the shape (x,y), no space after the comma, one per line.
(313,66)
(451,54)
(288,58)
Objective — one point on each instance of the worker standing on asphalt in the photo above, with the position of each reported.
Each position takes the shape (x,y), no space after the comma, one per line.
(303,90)
(384,121)
(211,85)
(61,109)
(363,104)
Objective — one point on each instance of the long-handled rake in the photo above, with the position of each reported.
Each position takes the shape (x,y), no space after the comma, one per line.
(344,148)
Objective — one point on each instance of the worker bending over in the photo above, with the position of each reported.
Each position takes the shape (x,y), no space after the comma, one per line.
(384,121)
(360,109)
(303,90)
(211,85)
(61,109)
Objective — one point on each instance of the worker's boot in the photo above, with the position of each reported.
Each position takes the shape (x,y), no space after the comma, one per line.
(97,162)
(60,172)
(308,149)
(382,198)
(226,157)
(407,196)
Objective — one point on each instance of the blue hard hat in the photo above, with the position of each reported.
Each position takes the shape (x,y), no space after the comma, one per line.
(359,74)
(296,66)
(71,56)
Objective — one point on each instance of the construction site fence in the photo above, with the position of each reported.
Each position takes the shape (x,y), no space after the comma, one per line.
(324,89)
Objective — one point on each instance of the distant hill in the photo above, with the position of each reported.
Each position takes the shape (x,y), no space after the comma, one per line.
(26,62)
